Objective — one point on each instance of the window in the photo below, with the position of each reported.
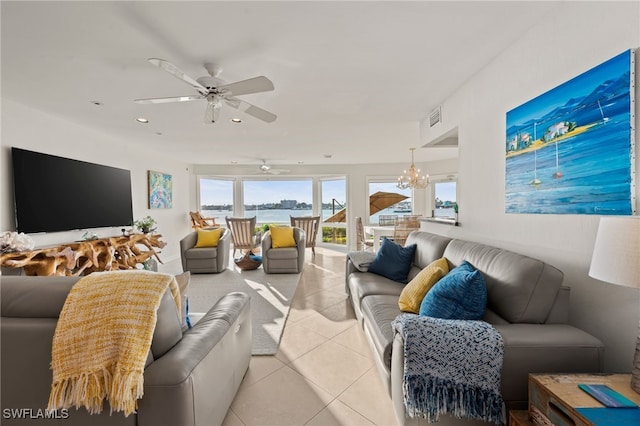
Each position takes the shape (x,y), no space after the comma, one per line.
(334,196)
(216,198)
(445,199)
(398,205)
(274,201)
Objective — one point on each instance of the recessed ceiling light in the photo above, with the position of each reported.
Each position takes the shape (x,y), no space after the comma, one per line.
(328,156)
(236,120)
(234,162)
(300,162)
(159,133)
(142,120)
(96,103)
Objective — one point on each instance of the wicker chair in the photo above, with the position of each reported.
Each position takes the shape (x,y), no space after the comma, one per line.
(362,242)
(310,225)
(243,232)
(387,219)
(404,226)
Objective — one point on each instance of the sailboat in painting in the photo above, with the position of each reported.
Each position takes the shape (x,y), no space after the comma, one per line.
(558,173)
(535,181)
(604,119)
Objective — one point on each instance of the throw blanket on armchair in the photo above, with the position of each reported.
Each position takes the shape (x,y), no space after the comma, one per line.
(102,339)
(451,367)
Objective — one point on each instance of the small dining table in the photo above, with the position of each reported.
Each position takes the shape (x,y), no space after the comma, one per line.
(378,232)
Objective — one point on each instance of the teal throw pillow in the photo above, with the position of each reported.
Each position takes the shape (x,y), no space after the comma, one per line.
(393,261)
(461,295)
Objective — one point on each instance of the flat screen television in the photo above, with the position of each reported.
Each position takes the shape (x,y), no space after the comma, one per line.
(60,194)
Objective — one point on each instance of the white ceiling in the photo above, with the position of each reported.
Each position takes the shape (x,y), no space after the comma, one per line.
(352,79)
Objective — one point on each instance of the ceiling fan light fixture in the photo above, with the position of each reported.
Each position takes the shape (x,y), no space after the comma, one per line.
(411,178)
(215,91)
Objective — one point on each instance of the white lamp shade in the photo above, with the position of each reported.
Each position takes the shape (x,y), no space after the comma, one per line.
(616,253)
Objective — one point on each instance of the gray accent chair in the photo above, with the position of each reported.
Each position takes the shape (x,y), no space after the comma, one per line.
(190,378)
(284,260)
(205,260)
(526,303)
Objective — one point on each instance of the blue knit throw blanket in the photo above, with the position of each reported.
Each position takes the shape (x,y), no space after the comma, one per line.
(451,367)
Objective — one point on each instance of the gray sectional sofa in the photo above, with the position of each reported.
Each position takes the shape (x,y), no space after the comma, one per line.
(190,377)
(526,303)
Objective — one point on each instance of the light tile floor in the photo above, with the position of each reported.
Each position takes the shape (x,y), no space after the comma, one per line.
(323,373)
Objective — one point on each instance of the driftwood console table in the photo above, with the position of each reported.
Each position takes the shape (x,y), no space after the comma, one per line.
(85,257)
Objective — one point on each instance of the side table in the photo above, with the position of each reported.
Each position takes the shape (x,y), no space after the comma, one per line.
(556,399)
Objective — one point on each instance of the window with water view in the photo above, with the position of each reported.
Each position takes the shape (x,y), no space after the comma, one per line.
(274,201)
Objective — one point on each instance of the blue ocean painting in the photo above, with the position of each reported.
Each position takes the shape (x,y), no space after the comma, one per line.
(569,150)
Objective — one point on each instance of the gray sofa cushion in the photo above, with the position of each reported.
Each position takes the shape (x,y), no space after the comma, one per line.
(44,297)
(378,312)
(430,247)
(519,288)
(362,284)
(201,252)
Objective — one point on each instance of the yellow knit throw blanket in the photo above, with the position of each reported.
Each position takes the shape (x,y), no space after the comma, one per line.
(102,339)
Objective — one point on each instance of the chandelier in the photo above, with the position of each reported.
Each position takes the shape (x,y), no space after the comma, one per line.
(411,178)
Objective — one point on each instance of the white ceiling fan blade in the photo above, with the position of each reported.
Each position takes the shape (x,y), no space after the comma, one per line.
(245,87)
(212,114)
(178,73)
(252,110)
(166,100)
(278,171)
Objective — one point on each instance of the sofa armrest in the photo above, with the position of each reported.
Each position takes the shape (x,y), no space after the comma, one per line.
(195,382)
(545,348)
(266,245)
(301,241)
(185,244)
(224,246)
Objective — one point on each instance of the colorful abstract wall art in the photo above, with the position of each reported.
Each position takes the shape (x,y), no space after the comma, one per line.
(160,190)
(570,150)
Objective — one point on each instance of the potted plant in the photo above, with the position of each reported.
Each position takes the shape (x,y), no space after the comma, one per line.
(145,225)
(455,210)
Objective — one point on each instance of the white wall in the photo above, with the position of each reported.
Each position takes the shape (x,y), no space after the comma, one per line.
(571,40)
(31,129)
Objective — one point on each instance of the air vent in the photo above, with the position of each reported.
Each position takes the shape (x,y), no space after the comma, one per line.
(435,117)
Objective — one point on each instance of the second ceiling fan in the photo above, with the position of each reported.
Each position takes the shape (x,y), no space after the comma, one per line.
(215,91)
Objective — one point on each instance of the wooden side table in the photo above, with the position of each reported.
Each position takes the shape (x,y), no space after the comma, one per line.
(558,399)
(519,418)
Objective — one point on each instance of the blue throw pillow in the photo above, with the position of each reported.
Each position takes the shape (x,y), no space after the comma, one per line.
(393,261)
(461,294)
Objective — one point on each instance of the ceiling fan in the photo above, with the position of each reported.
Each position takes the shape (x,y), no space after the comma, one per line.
(215,91)
(266,169)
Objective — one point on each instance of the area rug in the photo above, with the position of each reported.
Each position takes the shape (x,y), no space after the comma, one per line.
(271,296)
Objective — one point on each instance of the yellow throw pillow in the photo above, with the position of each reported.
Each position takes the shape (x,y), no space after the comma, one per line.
(209,238)
(413,293)
(282,236)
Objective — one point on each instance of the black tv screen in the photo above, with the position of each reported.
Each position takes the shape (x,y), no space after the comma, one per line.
(60,194)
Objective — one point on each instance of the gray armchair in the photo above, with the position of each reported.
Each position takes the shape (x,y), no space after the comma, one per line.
(286,260)
(204,260)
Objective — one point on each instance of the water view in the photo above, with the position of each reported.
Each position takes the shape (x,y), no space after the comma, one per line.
(281,216)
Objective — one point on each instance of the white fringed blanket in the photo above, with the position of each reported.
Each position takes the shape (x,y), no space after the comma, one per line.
(451,367)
